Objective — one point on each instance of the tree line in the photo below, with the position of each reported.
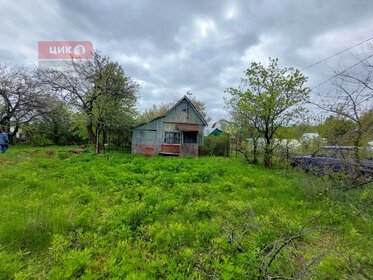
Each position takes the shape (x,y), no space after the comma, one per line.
(92,101)
(96,102)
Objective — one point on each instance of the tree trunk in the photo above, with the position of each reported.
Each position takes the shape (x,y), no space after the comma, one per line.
(255,151)
(356,142)
(13,134)
(267,152)
(267,158)
(91,133)
(108,140)
(93,137)
(356,155)
(104,140)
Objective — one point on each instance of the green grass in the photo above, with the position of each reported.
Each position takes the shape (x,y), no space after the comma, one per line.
(87,216)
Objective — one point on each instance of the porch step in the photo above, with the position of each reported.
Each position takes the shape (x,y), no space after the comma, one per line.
(168,154)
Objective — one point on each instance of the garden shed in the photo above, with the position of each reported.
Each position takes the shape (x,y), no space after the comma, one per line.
(179,132)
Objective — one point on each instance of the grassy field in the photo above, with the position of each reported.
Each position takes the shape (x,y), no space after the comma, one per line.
(69,216)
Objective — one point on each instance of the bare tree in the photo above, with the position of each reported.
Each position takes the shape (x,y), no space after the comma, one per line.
(21,98)
(350,97)
(244,130)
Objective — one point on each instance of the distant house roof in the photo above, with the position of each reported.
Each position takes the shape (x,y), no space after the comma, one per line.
(177,103)
(216,132)
(222,120)
(310,136)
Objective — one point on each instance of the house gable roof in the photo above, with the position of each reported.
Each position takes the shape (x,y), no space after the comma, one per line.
(191,105)
(215,130)
(222,120)
(173,107)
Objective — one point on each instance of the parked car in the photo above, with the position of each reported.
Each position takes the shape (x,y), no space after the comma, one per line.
(368,167)
(331,159)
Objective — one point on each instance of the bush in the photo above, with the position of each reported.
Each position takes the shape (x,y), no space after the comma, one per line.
(216,145)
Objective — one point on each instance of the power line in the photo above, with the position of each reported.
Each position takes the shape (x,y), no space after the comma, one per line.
(334,55)
(348,68)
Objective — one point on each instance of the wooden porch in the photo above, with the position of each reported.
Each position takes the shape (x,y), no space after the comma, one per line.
(182,150)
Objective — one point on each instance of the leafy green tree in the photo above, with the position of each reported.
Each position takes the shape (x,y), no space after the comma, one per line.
(113,119)
(97,88)
(296,130)
(269,98)
(367,124)
(154,112)
(336,129)
(55,127)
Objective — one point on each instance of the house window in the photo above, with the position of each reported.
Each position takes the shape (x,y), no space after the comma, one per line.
(172,137)
(183,107)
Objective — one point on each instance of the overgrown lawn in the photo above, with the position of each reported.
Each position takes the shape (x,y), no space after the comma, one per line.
(87,216)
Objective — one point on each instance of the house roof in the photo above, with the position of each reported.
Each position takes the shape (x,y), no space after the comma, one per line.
(191,104)
(177,103)
(310,135)
(222,120)
(216,129)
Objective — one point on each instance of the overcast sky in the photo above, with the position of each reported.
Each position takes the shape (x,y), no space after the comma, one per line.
(173,46)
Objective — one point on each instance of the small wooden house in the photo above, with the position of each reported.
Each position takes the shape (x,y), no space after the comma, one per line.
(216,132)
(179,132)
(220,127)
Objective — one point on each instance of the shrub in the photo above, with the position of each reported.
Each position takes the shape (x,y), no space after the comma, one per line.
(216,145)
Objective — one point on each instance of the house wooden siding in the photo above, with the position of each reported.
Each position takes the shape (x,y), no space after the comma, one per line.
(147,138)
(183,118)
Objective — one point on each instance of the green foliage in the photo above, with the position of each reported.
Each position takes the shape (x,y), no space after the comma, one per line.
(296,131)
(52,128)
(268,98)
(70,216)
(336,130)
(216,145)
(101,93)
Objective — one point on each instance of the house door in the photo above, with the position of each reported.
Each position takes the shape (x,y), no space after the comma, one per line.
(190,136)
(190,147)
(148,147)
